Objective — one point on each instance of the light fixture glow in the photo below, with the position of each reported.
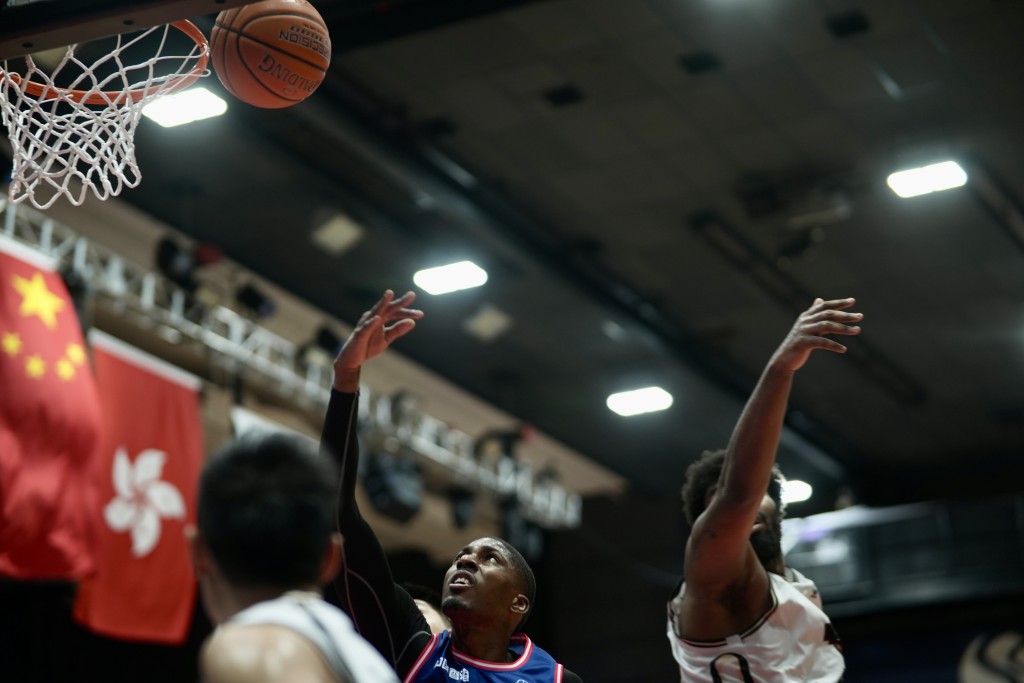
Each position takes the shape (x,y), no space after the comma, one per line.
(927,179)
(638,401)
(796,491)
(450,278)
(185,107)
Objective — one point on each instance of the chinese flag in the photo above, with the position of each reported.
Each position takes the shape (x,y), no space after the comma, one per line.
(147,470)
(49,424)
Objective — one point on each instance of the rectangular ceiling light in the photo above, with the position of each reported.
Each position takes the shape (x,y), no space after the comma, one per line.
(185,107)
(337,234)
(639,401)
(450,278)
(927,179)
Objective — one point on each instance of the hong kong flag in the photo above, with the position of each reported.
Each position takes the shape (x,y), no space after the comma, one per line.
(147,470)
(49,424)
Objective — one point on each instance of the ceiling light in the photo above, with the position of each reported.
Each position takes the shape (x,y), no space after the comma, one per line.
(796,491)
(450,278)
(321,350)
(337,234)
(927,179)
(488,323)
(185,107)
(638,401)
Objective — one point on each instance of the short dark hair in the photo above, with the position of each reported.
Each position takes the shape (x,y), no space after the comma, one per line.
(266,509)
(704,472)
(522,568)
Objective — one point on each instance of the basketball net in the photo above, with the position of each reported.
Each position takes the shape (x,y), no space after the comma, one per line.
(79,136)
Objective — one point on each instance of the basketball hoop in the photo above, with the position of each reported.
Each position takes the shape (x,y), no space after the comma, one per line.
(78,136)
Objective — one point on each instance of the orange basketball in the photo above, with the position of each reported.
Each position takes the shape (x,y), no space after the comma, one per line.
(271,54)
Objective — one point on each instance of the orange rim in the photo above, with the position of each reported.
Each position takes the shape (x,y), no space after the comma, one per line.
(103,98)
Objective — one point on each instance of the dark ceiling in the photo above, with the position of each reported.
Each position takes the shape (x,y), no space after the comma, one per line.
(657,188)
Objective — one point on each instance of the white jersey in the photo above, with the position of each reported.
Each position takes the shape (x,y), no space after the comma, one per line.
(329,629)
(793,642)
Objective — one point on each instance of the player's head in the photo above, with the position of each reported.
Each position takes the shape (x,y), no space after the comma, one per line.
(489,578)
(266,513)
(701,484)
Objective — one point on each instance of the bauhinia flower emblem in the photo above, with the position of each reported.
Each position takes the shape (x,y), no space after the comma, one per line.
(142,499)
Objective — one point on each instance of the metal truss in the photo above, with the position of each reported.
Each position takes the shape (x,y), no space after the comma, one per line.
(237,344)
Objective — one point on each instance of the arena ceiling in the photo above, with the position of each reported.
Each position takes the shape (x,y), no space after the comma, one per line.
(656,189)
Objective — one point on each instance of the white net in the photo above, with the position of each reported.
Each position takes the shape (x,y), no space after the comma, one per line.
(72,130)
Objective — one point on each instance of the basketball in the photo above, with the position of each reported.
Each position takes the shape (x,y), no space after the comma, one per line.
(271,54)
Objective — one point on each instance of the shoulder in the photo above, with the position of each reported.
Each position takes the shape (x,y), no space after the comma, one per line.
(258,654)
(570,677)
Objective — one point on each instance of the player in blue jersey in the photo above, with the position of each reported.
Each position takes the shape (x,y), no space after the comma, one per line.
(488,590)
(741,614)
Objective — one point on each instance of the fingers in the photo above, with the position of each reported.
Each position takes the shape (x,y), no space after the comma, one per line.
(833,304)
(832,311)
(825,344)
(398,329)
(821,327)
(399,308)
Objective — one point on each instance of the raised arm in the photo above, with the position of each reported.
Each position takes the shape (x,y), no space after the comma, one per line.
(719,555)
(381,611)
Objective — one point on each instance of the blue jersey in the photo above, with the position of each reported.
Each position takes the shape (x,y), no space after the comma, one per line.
(440,662)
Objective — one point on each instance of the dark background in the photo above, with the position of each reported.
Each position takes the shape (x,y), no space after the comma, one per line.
(657,188)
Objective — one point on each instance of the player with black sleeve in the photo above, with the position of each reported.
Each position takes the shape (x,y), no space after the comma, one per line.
(488,590)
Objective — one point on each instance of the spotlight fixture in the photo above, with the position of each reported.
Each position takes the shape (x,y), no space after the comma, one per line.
(321,349)
(179,264)
(522,534)
(394,485)
(501,443)
(462,500)
(255,301)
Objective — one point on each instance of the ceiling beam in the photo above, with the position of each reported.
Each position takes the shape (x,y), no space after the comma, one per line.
(358,23)
(494,215)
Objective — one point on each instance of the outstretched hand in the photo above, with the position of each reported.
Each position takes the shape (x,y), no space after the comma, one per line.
(809,330)
(389,319)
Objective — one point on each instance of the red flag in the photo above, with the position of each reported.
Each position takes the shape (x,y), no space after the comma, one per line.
(147,470)
(49,424)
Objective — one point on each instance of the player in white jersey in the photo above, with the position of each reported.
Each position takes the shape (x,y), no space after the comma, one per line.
(264,545)
(740,615)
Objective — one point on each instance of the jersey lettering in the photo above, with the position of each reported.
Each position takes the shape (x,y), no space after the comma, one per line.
(734,666)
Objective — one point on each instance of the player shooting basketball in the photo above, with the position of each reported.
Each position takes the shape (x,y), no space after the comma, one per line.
(741,614)
(488,590)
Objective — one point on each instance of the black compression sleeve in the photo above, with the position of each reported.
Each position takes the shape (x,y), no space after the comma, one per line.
(382,612)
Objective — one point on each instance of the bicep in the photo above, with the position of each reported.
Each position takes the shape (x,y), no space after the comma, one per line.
(718,550)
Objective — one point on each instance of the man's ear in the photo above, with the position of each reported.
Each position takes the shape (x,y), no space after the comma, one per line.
(201,559)
(332,559)
(521,604)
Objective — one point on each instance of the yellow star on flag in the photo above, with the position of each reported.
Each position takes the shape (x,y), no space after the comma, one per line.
(76,354)
(35,367)
(11,343)
(65,370)
(37,300)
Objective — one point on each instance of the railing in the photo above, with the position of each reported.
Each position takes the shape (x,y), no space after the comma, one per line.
(234,342)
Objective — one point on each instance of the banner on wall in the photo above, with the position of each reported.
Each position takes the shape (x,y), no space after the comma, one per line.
(49,424)
(147,471)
